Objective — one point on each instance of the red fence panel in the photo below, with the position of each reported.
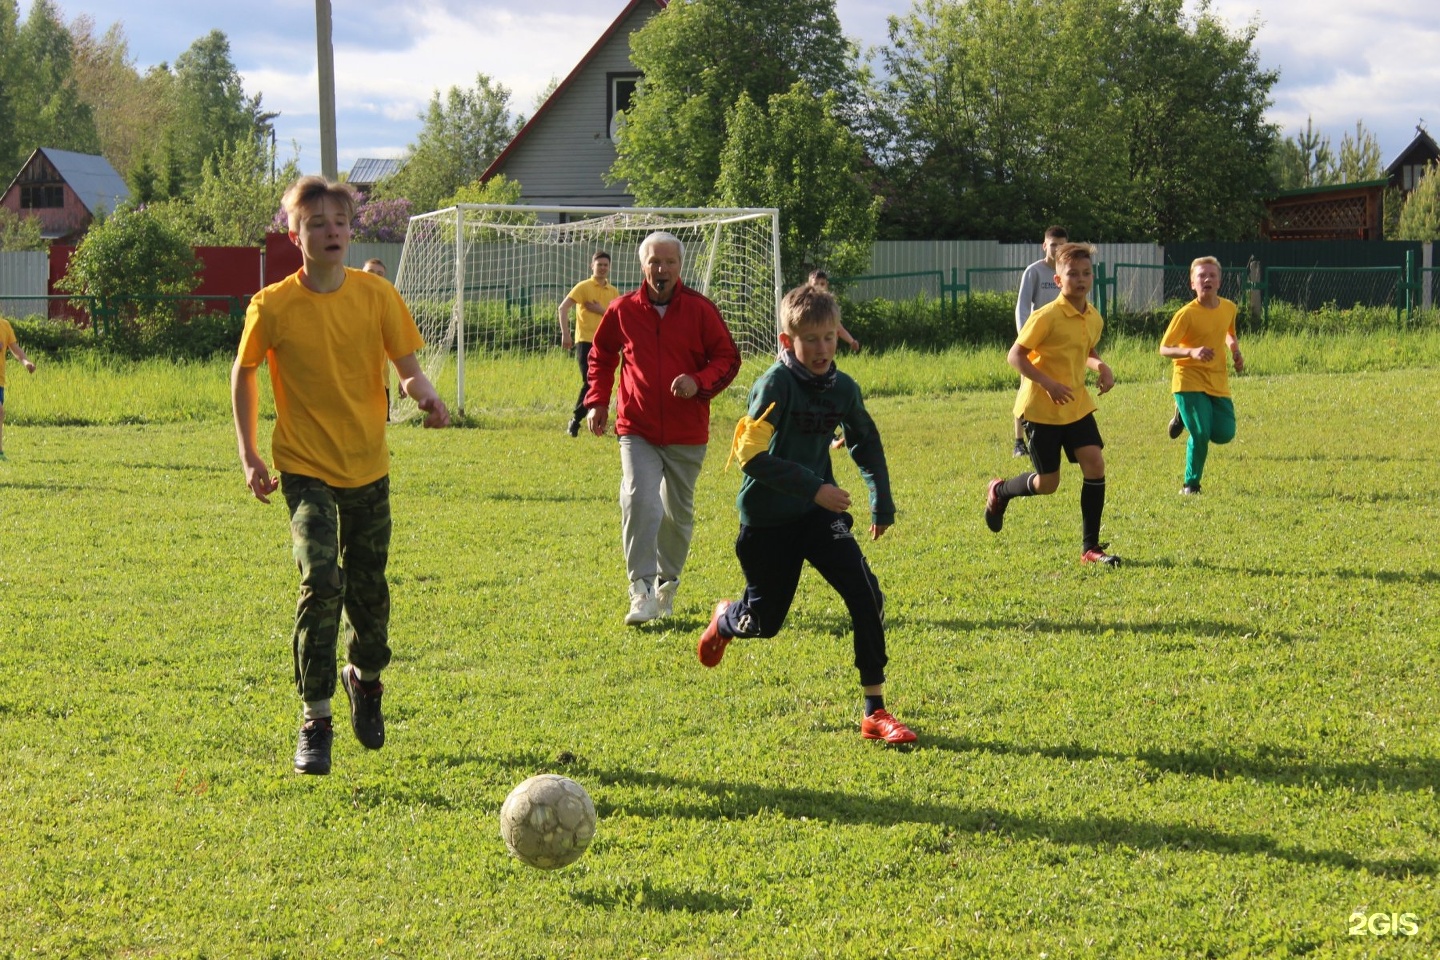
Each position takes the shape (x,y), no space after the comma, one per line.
(282,257)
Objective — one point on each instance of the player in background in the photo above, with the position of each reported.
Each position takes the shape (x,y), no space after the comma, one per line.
(820,280)
(591,296)
(327,331)
(1055,348)
(791,510)
(1037,288)
(8,344)
(1195,342)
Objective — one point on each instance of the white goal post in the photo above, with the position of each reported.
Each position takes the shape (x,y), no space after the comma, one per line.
(487,279)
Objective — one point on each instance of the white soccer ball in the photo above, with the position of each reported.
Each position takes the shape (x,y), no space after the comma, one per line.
(547,821)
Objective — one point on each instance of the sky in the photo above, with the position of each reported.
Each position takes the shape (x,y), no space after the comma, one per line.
(1339,60)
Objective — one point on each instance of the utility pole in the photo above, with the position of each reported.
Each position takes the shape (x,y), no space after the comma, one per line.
(325,58)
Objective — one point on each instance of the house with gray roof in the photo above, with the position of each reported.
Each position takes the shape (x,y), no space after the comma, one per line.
(369,171)
(561,155)
(66,191)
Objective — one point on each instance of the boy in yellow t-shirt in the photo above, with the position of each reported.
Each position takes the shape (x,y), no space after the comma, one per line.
(1195,341)
(592,296)
(8,344)
(326,332)
(1054,349)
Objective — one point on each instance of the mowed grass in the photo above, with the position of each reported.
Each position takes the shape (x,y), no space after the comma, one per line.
(1228,747)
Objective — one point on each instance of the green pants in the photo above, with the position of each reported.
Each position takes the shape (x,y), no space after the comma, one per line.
(1208,420)
(342,543)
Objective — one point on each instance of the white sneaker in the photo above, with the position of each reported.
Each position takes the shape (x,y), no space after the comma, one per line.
(665,598)
(643,607)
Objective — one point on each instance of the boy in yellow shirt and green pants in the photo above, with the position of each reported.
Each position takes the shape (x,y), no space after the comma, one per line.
(1053,351)
(1195,341)
(327,331)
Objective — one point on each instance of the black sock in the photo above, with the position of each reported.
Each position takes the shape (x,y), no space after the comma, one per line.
(873,703)
(1017,487)
(1092,505)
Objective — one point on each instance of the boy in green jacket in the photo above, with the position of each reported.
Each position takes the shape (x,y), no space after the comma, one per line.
(791,510)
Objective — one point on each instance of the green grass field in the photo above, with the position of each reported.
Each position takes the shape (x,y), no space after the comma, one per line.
(1230,747)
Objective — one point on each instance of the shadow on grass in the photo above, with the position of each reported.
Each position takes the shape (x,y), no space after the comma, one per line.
(1272,764)
(645,895)
(505,496)
(52,486)
(735,800)
(1178,630)
(180,467)
(1309,574)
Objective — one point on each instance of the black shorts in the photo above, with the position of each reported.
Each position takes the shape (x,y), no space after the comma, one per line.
(1048,439)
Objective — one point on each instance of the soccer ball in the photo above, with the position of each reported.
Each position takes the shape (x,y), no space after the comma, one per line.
(547,821)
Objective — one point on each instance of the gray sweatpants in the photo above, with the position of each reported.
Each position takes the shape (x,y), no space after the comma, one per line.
(657,505)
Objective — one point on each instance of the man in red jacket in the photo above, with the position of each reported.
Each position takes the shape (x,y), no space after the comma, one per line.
(678,354)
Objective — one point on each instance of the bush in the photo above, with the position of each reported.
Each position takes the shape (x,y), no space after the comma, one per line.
(175,329)
(927,323)
(54,338)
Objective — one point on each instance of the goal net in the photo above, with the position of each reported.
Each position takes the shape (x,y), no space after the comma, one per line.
(484,280)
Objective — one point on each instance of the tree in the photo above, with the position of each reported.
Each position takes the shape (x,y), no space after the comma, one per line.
(498,189)
(235,202)
(1139,122)
(19,232)
(1303,160)
(1193,101)
(698,57)
(461,136)
(127,108)
(800,158)
(11,149)
(1359,157)
(210,111)
(972,114)
(1420,217)
(41,106)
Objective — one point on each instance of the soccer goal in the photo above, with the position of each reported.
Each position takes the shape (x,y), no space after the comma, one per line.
(484,280)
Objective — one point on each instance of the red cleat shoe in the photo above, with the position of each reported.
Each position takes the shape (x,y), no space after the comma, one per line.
(1098,555)
(881,726)
(712,641)
(994,506)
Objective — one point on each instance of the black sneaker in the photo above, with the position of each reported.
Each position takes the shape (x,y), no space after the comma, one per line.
(1020,449)
(1190,489)
(574,428)
(312,754)
(365,717)
(994,506)
(1176,427)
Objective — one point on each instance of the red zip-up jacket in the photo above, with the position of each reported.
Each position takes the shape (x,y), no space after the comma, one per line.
(691,338)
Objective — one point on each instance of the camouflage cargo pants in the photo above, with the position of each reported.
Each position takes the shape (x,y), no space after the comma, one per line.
(342,543)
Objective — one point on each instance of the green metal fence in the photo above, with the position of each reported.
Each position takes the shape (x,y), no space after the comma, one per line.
(1316,288)
(1143,287)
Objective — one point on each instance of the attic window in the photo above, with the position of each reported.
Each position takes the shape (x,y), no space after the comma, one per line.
(620,90)
(46,197)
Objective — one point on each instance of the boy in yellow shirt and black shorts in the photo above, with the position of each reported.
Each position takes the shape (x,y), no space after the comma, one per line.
(588,298)
(1054,349)
(1195,341)
(327,331)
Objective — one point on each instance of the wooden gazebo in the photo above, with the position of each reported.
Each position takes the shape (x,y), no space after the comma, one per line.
(1344,211)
